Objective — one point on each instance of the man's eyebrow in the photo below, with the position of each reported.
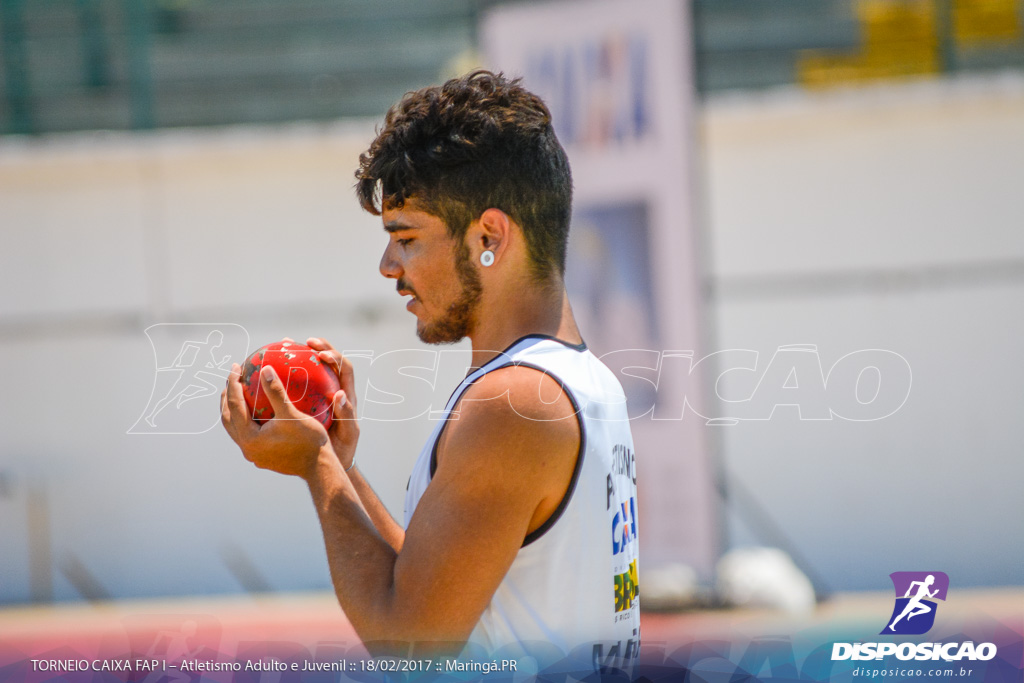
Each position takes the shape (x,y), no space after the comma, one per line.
(395,226)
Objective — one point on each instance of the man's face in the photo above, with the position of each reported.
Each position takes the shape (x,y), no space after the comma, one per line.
(435,270)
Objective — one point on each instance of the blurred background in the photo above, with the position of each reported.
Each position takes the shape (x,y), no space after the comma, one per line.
(857,183)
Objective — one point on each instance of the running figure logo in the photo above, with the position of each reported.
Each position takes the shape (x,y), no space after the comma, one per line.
(914,612)
(192,361)
(196,378)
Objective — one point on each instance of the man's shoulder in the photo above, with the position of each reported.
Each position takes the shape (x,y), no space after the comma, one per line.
(514,431)
(518,392)
(514,413)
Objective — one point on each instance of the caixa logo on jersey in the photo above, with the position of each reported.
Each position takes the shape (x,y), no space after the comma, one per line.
(916,593)
(624,526)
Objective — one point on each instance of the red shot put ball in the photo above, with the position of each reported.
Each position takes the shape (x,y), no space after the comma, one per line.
(310,384)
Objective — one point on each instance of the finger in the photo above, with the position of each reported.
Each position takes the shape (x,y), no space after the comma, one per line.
(347,375)
(225,414)
(344,370)
(319,344)
(277,395)
(337,362)
(333,360)
(289,340)
(342,407)
(325,351)
(342,366)
(241,421)
(231,424)
(233,395)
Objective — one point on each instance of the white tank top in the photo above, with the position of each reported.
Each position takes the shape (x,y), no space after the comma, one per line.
(573,585)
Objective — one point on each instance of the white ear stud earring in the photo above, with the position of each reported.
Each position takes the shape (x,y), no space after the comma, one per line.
(487,258)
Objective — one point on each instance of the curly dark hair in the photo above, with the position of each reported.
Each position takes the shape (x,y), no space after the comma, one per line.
(477,142)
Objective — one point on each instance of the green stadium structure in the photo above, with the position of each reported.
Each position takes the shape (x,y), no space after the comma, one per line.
(122,64)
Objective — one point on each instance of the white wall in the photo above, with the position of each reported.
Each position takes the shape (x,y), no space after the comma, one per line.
(892,218)
(105,235)
(884,218)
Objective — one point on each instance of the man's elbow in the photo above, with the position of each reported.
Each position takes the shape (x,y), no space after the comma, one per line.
(406,648)
(405,635)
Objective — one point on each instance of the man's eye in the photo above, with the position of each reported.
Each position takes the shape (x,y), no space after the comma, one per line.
(404,241)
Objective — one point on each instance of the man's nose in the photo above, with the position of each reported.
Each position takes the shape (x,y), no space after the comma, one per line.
(389,265)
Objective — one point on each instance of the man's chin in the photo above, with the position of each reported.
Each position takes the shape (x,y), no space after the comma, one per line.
(438,333)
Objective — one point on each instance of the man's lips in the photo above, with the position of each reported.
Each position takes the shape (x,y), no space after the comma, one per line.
(406,292)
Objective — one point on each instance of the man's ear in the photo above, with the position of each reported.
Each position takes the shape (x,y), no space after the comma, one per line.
(493,231)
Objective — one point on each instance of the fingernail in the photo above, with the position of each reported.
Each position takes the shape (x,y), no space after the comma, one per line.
(267,374)
(342,400)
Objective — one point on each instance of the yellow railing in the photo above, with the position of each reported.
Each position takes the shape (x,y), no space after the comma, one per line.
(911,38)
(986,21)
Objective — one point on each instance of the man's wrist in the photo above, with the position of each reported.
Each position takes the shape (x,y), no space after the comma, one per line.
(327,481)
(324,465)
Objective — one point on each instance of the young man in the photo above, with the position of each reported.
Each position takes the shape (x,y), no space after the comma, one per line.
(520,514)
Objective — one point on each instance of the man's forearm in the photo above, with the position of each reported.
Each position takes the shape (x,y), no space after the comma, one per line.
(361,561)
(382,520)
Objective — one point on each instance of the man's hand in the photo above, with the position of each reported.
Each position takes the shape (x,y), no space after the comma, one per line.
(344,431)
(288,443)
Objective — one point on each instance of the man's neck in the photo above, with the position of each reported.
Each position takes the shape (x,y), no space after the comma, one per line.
(517,314)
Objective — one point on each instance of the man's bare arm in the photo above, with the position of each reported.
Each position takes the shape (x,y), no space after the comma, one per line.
(500,466)
(344,435)
(390,530)
(503,460)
